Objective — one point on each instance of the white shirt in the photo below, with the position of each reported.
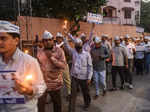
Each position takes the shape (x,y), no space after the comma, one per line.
(24,65)
(139,51)
(129,48)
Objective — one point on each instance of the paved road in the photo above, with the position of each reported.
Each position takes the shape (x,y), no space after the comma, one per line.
(136,100)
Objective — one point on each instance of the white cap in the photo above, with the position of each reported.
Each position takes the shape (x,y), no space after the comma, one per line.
(59,35)
(104,35)
(8,27)
(117,38)
(82,35)
(78,41)
(47,35)
(97,39)
(127,36)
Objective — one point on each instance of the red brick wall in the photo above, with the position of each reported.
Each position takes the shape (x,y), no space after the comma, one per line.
(39,25)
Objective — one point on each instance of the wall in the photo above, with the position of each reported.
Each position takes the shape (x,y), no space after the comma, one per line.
(39,25)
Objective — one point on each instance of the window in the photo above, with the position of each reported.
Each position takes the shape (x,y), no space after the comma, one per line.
(127,14)
(127,0)
(137,3)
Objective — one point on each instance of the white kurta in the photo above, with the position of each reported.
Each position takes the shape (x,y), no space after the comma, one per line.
(24,65)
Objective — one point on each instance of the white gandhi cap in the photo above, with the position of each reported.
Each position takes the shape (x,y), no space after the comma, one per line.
(8,27)
(116,38)
(97,39)
(47,35)
(78,41)
(59,35)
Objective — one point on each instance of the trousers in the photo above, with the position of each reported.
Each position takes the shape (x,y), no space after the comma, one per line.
(99,78)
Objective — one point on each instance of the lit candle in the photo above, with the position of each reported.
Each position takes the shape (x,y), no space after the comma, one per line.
(65,24)
(26,51)
(28,78)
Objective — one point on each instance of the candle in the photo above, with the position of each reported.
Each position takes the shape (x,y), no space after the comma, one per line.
(28,78)
(65,24)
(26,51)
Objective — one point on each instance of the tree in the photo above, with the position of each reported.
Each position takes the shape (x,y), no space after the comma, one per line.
(145,16)
(72,10)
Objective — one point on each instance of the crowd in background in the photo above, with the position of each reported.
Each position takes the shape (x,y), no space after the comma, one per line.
(81,61)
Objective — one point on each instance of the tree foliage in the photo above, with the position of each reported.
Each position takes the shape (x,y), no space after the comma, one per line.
(145,16)
(72,10)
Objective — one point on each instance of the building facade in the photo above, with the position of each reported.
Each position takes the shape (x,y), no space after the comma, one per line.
(125,12)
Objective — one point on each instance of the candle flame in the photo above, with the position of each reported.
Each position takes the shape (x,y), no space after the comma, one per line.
(65,24)
(28,77)
(26,51)
(65,21)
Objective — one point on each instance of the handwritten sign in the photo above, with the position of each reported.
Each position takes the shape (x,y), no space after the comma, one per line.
(94,18)
(8,95)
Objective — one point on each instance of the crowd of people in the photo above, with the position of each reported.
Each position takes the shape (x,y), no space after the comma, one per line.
(75,62)
(95,59)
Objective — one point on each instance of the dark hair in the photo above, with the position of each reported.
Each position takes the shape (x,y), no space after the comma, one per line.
(14,35)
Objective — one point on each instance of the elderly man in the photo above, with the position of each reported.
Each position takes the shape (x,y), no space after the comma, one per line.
(99,53)
(27,83)
(53,63)
(119,61)
(66,74)
(81,73)
(105,42)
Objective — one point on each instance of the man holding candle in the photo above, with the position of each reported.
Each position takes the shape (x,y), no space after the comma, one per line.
(53,63)
(28,79)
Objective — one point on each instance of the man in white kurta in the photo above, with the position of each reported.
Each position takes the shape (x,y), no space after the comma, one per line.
(13,59)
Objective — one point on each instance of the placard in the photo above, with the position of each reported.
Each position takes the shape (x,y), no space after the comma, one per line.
(139,48)
(94,18)
(8,95)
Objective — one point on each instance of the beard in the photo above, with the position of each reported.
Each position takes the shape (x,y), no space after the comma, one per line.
(49,47)
(78,48)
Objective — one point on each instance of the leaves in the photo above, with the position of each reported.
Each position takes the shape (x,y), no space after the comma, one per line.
(145,16)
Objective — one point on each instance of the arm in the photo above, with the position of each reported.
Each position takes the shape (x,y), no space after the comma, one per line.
(106,54)
(91,34)
(61,62)
(67,47)
(125,56)
(71,37)
(89,66)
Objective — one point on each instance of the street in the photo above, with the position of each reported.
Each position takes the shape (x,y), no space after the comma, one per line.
(136,100)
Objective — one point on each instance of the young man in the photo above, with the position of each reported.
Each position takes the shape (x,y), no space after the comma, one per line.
(119,61)
(13,59)
(81,72)
(53,63)
(130,48)
(99,53)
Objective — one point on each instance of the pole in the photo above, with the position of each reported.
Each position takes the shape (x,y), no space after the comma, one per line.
(18,7)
